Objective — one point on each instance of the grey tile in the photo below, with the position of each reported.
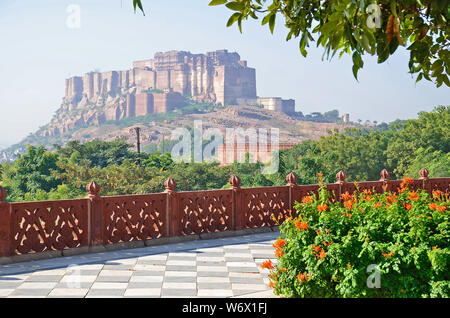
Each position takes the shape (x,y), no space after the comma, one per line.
(148,273)
(239,259)
(182,258)
(212,274)
(44,278)
(206,263)
(211,254)
(9,284)
(214,285)
(106,292)
(144,285)
(243,269)
(31,292)
(181,268)
(179,292)
(151,262)
(265,256)
(118,267)
(177,279)
(70,285)
(242,292)
(246,280)
(115,279)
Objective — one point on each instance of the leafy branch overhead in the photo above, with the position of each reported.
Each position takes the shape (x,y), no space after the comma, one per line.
(359,27)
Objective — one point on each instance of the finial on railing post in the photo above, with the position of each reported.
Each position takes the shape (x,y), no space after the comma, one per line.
(93,189)
(170,185)
(291,179)
(3,194)
(423,174)
(340,177)
(384,174)
(235,182)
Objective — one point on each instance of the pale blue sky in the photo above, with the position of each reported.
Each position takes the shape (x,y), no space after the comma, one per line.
(38,52)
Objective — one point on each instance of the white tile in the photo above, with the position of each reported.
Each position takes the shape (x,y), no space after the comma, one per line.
(213,279)
(246,255)
(36,285)
(85,267)
(78,278)
(248,287)
(180,274)
(210,259)
(248,275)
(179,285)
(146,279)
(99,285)
(181,263)
(5,292)
(181,254)
(123,261)
(211,268)
(146,267)
(50,272)
(107,272)
(136,292)
(241,264)
(158,257)
(214,293)
(237,247)
(71,292)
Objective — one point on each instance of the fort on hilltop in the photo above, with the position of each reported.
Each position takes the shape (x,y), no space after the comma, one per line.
(160,85)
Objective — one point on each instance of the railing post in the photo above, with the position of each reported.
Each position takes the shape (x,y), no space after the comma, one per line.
(6,235)
(173,219)
(238,215)
(426,181)
(291,179)
(384,177)
(340,180)
(95,215)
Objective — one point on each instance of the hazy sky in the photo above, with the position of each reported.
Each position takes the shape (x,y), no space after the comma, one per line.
(38,51)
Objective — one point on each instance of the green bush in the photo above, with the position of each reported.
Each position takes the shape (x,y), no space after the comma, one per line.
(368,245)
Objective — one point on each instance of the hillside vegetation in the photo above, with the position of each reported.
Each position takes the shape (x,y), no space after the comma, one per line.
(64,173)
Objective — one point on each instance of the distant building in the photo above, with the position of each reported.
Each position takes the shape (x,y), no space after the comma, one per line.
(276,104)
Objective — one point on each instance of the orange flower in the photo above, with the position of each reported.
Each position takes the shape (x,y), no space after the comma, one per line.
(437,194)
(327,231)
(320,174)
(348,214)
(413,196)
(301,225)
(407,181)
(322,254)
(408,206)
(307,199)
(348,204)
(322,207)
(432,206)
(279,253)
(303,278)
(316,248)
(346,196)
(385,187)
(440,208)
(279,243)
(267,264)
(434,247)
(377,205)
(388,255)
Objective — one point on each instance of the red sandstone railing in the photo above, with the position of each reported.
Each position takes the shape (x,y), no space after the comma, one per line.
(34,227)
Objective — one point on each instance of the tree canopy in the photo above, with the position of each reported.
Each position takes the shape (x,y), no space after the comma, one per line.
(359,27)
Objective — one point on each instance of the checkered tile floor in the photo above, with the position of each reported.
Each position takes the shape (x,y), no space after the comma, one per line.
(227,267)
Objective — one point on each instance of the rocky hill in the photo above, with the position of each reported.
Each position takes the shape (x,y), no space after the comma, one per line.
(158,127)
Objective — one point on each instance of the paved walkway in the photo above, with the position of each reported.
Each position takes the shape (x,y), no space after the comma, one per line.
(228,267)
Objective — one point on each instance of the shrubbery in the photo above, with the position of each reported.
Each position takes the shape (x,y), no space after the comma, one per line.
(337,249)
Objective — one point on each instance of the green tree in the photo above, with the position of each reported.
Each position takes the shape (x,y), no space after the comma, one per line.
(430,131)
(30,173)
(359,27)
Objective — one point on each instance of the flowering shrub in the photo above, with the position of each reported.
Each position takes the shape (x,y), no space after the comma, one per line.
(369,245)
